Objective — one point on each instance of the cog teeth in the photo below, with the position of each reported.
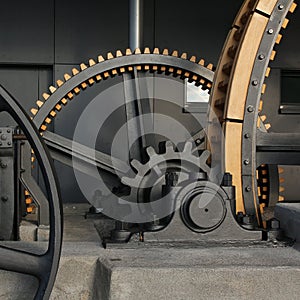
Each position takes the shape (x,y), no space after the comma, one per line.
(281,198)
(210,66)
(188,147)
(147,50)
(52,89)
(39,103)
(34,111)
(46,96)
(156,51)
(183,56)
(83,67)
(193,59)
(285,23)
(293,7)
(169,147)
(150,151)
(280,170)
(175,53)
(273,54)
(110,55)
(201,62)
(165,52)
(128,52)
(92,62)
(67,76)
(137,51)
(119,53)
(59,83)
(279,37)
(136,165)
(75,71)
(100,58)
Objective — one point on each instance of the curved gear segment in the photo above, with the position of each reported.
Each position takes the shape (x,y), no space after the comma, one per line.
(162,62)
(238,89)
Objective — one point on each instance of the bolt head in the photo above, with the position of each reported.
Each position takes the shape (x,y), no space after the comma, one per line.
(246,162)
(247,135)
(280,7)
(248,188)
(255,82)
(261,57)
(270,31)
(250,109)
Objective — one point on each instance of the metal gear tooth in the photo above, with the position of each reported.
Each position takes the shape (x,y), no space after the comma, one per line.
(67,77)
(100,58)
(156,51)
(83,67)
(165,52)
(175,53)
(150,151)
(39,103)
(46,96)
(293,7)
(285,23)
(188,147)
(193,59)
(137,51)
(128,51)
(110,55)
(34,111)
(147,50)
(75,71)
(52,89)
(136,165)
(210,66)
(59,83)
(184,55)
(201,62)
(119,53)
(92,62)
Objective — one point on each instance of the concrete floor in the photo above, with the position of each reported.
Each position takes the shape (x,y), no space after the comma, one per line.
(87,271)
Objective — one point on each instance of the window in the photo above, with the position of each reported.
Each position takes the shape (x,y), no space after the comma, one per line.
(290,92)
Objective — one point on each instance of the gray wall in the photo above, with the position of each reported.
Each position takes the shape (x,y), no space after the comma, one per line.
(41,40)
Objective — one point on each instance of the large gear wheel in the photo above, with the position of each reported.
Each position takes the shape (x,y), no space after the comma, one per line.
(237,100)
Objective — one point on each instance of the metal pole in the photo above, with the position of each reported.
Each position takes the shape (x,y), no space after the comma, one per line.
(136,24)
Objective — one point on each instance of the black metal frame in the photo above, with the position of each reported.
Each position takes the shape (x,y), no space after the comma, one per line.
(43,267)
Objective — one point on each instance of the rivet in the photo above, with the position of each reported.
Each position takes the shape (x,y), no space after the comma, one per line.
(280,7)
(8,130)
(4,198)
(248,188)
(247,135)
(261,57)
(246,162)
(270,31)
(255,82)
(250,109)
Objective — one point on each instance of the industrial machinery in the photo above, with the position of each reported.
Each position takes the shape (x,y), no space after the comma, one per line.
(203,189)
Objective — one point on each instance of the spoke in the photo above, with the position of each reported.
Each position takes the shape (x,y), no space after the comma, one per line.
(22,262)
(64,150)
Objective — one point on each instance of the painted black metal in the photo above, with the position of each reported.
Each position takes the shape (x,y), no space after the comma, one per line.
(7,191)
(273,28)
(44,267)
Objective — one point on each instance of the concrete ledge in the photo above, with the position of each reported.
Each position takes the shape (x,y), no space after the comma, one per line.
(289,216)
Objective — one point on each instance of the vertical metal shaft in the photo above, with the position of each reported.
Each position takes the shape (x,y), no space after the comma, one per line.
(136,24)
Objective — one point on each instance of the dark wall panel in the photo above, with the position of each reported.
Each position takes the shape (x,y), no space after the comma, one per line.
(27,32)
(197,27)
(84,29)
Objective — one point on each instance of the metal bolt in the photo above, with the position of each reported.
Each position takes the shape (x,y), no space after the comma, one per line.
(255,82)
(4,198)
(0,143)
(248,188)
(280,7)
(247,135)
(8,143)
(198,141)
(3,137)
(270,31)
(250,109)
(246,162)
(8,130)
(3,166)
(261,57)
